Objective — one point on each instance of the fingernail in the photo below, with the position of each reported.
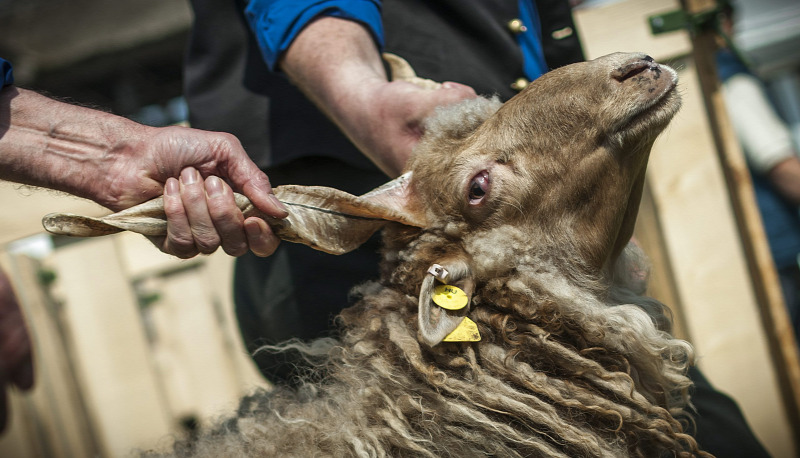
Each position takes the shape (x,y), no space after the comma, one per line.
(252,228)
(213,186)
(189,176)
(172,188)
(278,203)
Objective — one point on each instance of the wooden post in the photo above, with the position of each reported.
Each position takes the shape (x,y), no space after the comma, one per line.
(766,286)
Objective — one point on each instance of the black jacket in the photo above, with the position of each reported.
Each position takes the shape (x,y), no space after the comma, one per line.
(229,88)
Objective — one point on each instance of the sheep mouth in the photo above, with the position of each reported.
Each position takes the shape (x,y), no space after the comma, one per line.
(659,100)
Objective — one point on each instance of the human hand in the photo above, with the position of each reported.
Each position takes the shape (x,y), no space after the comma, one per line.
(386,120)
(201,212)
(119,163)
(16,361)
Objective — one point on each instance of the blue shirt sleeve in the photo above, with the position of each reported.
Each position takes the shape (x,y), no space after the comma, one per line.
(530,42)
(276,23)
(6,75)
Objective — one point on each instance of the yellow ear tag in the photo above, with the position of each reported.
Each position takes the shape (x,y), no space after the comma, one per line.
(450,297)
(467,331)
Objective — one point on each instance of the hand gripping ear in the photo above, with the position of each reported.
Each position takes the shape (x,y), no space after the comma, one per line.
(440,313)
(323,218)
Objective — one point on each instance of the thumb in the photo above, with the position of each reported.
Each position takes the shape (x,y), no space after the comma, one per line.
(447,94)
(452,92)
(245,175)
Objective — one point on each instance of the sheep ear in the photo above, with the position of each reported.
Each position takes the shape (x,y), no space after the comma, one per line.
(323,218)
(444,302)
(401,70)
(337,222)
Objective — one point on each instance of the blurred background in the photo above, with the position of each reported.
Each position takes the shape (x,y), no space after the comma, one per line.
(134,347)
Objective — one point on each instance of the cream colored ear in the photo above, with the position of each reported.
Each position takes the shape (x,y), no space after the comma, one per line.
(336,222)
(323,218)
(402,71)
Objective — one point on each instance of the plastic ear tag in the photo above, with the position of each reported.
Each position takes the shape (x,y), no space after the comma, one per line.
(450,297)
(467,331)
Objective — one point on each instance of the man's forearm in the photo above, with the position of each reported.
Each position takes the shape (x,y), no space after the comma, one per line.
(336,63)
(56,145)
(119,163)
(332,59)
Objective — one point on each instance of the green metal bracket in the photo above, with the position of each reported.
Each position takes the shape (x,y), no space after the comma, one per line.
(680,20)
(668,22)
(708,20)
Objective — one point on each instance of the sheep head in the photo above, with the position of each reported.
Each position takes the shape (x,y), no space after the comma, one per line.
(557,170)
(565,158)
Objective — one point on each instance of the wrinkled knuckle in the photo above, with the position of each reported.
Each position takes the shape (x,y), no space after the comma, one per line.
(221,211)
(181,247)
(207,247)
(173,207)
(193,195)
(236,249)
(207,251)
(185,254)
(228,141)
(207,243)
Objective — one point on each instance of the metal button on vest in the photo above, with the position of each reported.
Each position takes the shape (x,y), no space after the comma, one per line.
(516,26)
(560,34)
(520,84)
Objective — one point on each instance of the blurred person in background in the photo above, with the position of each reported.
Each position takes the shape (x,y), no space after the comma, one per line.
(773,160)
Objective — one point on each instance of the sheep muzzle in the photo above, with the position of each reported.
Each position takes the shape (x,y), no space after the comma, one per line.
(566,157)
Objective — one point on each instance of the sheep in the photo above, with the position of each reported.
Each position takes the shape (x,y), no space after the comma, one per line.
(509,316)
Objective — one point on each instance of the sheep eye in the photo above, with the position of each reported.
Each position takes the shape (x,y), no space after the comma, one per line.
(478,188)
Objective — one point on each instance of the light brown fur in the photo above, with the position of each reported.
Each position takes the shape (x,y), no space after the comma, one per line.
(572,361)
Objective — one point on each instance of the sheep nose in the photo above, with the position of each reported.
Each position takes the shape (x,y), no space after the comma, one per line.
(632,67)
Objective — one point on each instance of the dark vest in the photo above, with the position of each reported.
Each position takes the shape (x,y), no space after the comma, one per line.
(229,88)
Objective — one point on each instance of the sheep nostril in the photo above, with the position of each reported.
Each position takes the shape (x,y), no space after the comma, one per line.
(630,70)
